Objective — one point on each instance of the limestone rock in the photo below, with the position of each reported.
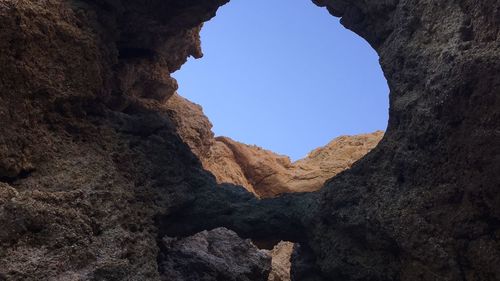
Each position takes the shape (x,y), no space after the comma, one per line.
(270,174)
(217,254)
(424,203)
(81,126)
(261,171)
(101,175)
(281,263)
(191,124)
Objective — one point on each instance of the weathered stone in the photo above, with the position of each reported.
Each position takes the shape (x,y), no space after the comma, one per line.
(260,171)
(218,254)
(281,263)
(100,192)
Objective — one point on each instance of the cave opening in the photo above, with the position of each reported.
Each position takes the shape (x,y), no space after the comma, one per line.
(289,79)
(276,89)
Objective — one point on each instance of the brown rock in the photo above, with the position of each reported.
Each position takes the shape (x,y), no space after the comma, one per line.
(270,174)
(261,171)
(80,90)
(196,131)
(100,175)
(191,124)
(281,262)
(424,204)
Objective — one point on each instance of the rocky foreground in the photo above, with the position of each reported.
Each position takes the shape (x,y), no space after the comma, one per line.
(96,183)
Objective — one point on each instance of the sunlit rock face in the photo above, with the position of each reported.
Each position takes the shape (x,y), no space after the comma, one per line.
(260,171)
(263,172)
(281,261)
(94,174)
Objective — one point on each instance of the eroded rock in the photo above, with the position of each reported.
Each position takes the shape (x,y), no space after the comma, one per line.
(78,188)
(281,261)
(261,171)
(217,254)
(105,185)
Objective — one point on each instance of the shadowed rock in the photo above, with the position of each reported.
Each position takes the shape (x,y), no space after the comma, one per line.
(90,156)
(218,254)
(260,171)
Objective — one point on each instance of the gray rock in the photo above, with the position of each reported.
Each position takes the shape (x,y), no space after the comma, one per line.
(217,254)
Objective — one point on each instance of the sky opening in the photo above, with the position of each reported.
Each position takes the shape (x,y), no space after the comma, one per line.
(286,76)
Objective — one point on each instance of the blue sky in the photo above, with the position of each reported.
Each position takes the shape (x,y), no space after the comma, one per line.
(286,76)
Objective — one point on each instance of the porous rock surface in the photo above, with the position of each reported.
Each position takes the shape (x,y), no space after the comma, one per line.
(261,171)
(281,261)
(93,174)
(218,254)
(424,204)
(88,156)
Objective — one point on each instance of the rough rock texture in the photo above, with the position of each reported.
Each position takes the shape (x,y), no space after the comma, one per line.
(94,175)
(261,171)
(191,124)
(281,262)
(270,174)
(424,204)
(88,156)
(195,129)
(218,254)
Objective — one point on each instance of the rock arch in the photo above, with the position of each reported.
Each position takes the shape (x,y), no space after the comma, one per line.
(90,159)
(371,222)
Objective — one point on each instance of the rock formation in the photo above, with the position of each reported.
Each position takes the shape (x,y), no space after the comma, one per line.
(424,204)
(281,261)
(218,254)
(261,171)
(88,156)
(94,176)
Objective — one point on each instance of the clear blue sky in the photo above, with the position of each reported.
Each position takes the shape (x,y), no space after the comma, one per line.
(286,76)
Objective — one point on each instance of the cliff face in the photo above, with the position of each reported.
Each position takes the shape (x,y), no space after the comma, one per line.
(424,204)
(88,156)
(93,175)
(270,174)
(261,171)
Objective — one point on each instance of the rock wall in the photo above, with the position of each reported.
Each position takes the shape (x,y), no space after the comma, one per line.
(94,176)
(261,171)
(88,155)
(218,254)
(424,204)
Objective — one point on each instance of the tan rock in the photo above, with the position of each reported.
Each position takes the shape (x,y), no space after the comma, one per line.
(280,265)
(261,171)
(191,124)
(270,174)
